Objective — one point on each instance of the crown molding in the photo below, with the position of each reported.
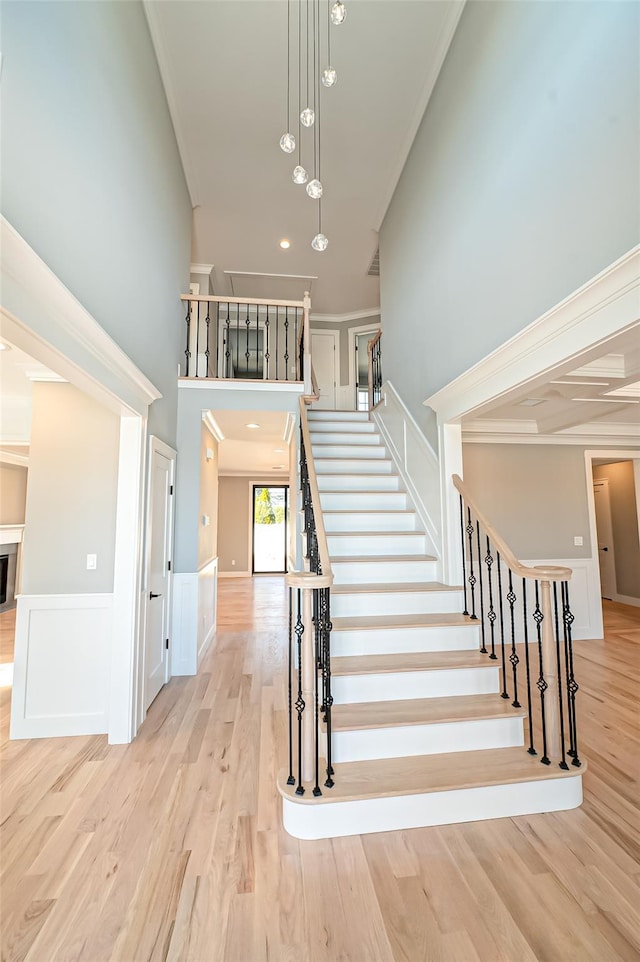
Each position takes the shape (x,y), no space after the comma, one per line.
(287,434)
(9,457)
(487,431)
(342,318)
(201,268)
(212,425)
(553,345)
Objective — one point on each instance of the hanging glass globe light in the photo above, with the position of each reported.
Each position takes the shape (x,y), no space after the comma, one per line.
(288,143)
(307,117)
(299,175)
(329,76)
(338,12)
(320,242)
(314,189)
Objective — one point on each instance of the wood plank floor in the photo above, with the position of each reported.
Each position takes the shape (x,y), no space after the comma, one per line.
(172,847)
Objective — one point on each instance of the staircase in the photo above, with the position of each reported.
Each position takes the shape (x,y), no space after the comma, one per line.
(420,735)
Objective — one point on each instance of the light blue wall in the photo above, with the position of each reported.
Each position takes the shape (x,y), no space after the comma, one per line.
(92,178)
(521,185)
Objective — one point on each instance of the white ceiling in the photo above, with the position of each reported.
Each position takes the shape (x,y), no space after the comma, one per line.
(261,450)
(224,67)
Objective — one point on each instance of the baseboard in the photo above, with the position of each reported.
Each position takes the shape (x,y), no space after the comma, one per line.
(234,574)
(627,600)
(61,665)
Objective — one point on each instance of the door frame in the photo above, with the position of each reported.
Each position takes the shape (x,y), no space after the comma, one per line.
(355,332)
(336,361)
(155,446)
(620,454)
(252,489)
(604,484)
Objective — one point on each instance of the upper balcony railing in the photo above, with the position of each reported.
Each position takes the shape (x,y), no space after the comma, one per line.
(245,338)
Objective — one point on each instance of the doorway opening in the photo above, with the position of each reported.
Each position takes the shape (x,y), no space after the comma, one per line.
(359,338)
(270,514)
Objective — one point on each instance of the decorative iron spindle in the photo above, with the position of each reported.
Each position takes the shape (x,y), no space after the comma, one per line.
(326,628)
(290,780)
(563,760)
(483,647)
(299,704)
(316,715)
(472,577)
(504,693)
(491,614)
(464,553)
(286,343)
(198,306)
(187,353)
(541,683)
(531,749)
(266,353)
(572,685)
(513,657)
(207,351)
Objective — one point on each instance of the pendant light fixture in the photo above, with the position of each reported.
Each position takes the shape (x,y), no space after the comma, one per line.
(338,13)
(288,141)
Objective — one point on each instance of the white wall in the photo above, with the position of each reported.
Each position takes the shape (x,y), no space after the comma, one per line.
(521,185)
(91,175)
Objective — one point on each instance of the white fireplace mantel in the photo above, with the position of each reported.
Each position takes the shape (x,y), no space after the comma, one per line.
(11,533)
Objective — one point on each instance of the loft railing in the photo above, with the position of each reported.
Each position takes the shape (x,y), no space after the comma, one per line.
(517,605)
(235,338)
(309,649)
(374,357)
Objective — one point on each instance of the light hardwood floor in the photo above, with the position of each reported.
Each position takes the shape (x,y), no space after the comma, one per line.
(172,847)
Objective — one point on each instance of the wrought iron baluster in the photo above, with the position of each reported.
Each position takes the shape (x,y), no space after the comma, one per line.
(237,370)
(290,780)
(513,657)
(531,749)
(217,341)
(504,693)
(464,552)
(541,684)
(187,353)
(227,353)
(299,704)
(277,340)
(317,630)
(572,686)
(247,353)
(483,647)
(265,366)
(286,344)
(198,305)
(472,577)
(563,761)
(207,352)
(326,629)
(491,614)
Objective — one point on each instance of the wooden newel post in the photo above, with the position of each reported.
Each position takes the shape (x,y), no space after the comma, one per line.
(550,667)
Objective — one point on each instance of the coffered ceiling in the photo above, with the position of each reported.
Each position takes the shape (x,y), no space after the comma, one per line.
(224,67)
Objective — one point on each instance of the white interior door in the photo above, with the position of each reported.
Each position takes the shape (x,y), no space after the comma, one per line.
(159,545)
(604,528)
(324,359)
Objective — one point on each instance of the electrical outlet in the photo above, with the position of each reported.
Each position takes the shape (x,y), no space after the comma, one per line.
(233,563)
(92,562)
(578,541)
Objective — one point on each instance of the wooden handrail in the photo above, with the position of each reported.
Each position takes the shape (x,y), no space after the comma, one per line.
(374,340)
(262,301)
(370,348)
(323,549)
(539,572)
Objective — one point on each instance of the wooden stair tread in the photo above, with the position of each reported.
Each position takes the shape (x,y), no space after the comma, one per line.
(419,586)
(418,774)
(379,622)
(410,661)
(421,711)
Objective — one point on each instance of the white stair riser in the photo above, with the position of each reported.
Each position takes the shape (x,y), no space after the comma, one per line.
(400,685)
(387,641)
(362,500)
(407,740)
(328,417)
(315,821)
(364,436)
(396,603)
(354,482)
(370,521)
(381,544)
(320,451)
(382,572)
(352,466)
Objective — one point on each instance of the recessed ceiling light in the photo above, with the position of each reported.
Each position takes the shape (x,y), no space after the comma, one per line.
(278,450)
(4,347)
(285,244)
(278,467)
(252,425)
(531,402)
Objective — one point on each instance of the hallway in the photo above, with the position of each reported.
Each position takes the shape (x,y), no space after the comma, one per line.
(172,847)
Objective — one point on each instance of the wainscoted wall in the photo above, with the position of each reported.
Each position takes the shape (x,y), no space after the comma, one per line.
(584,594)
(193,621)
(61,666)
(207,604)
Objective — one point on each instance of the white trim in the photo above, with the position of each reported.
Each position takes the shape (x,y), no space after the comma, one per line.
(125,713)
(11,533)
(184,624)
(343,318)
(212,426)
(351,346)
(201,268)
(326,332)
(207,574)
(287,434)
(234,574)
(627,600)
(61,665)
(584,594)
(505,431)
(558,341)
(7,457)
(55,329)
(229,384)
(424,96)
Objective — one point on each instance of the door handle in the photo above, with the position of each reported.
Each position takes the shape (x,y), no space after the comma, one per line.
(604,549)
(153,595)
